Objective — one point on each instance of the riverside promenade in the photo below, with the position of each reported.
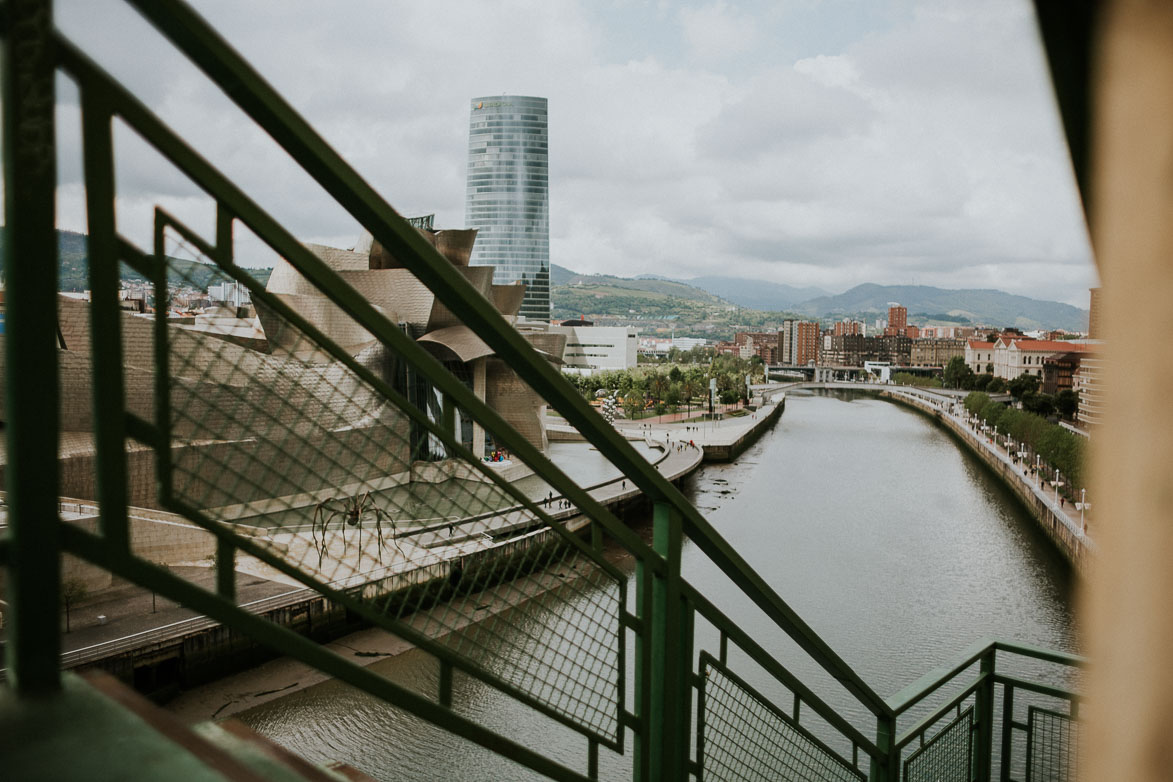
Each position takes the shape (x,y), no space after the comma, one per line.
(719,441)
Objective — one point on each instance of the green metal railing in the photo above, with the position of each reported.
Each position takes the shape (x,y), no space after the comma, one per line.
(324,447)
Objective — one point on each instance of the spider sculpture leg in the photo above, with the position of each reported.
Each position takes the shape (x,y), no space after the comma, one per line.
(380,514)
(325,513)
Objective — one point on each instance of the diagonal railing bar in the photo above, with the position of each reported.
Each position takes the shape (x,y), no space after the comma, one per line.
(707,661)
(741,639)
(921,726)
(106,333)
(248,89)
(93,548)
(203,174)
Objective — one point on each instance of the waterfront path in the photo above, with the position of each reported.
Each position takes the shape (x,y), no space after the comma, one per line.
(719,438)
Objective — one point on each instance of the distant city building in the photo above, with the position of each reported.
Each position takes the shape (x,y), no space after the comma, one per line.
(1059,371)
(590,349)
(507,196)
(229,293)
(1019,356)
(979,356)
(1088,383)
(897,318)
(1095,313)
(688,343)
(799,342)
(935,352)
(761,344)
(848,327)
(661,346)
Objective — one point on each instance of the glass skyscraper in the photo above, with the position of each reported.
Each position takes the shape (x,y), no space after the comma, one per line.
(508,195)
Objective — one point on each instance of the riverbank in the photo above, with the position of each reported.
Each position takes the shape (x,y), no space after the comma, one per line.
(719,441)
(1060,528)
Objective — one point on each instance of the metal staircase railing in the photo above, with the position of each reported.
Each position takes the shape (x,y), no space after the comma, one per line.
(661,676)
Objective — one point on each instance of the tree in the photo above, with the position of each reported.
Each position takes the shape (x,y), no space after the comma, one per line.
(982,382)
(1039,404)
(975,401)
(690,388)
(657,385)
(1067,403)
(1023,384)
(996,385)
(73,591)
(956,372)
(633,403)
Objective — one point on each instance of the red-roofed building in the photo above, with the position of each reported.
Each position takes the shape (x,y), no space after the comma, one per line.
(1016,356)
(979,356)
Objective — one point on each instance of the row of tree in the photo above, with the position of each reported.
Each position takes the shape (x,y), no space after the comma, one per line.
(1059,447)
(1024,388)
(667,390)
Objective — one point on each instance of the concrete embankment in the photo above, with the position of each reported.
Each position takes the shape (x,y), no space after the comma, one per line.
(720,441)
(725,447)
(1071,542)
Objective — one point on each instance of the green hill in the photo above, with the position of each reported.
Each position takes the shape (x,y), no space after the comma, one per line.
(987,307)
(74,267)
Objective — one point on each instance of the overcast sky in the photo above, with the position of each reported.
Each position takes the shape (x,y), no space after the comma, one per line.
(805,142)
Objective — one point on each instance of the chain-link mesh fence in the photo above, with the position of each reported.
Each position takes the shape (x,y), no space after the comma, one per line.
(744,737)
(947,756)
(1053,746)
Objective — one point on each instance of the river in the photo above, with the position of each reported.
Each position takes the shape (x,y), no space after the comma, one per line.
(889,539)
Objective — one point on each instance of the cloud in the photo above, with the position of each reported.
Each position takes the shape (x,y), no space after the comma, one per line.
(718,31)
(922,148)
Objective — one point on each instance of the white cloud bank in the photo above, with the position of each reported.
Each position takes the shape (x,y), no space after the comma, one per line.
(683,139)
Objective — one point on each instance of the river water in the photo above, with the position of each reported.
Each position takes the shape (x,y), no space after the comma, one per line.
(892,542)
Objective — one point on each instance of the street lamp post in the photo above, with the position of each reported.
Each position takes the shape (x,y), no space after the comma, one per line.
(1082,508)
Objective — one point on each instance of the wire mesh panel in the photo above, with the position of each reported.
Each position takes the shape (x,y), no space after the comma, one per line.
(290,424)
(745,737)
(947,756)
(1053,744)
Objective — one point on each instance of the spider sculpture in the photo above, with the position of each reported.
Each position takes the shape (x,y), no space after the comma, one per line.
(350,511)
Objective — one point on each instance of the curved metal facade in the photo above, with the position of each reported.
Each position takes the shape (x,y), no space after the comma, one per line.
(507,195)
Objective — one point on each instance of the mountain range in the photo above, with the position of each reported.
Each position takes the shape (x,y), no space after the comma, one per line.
(656,297)
(867,301)
(755,294)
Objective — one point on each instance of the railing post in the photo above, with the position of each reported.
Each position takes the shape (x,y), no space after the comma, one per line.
(888,769)
(984,702)
(1007,729)
(666,661)
(31,415)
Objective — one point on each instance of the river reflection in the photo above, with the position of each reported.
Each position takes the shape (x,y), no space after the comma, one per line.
(894,544)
